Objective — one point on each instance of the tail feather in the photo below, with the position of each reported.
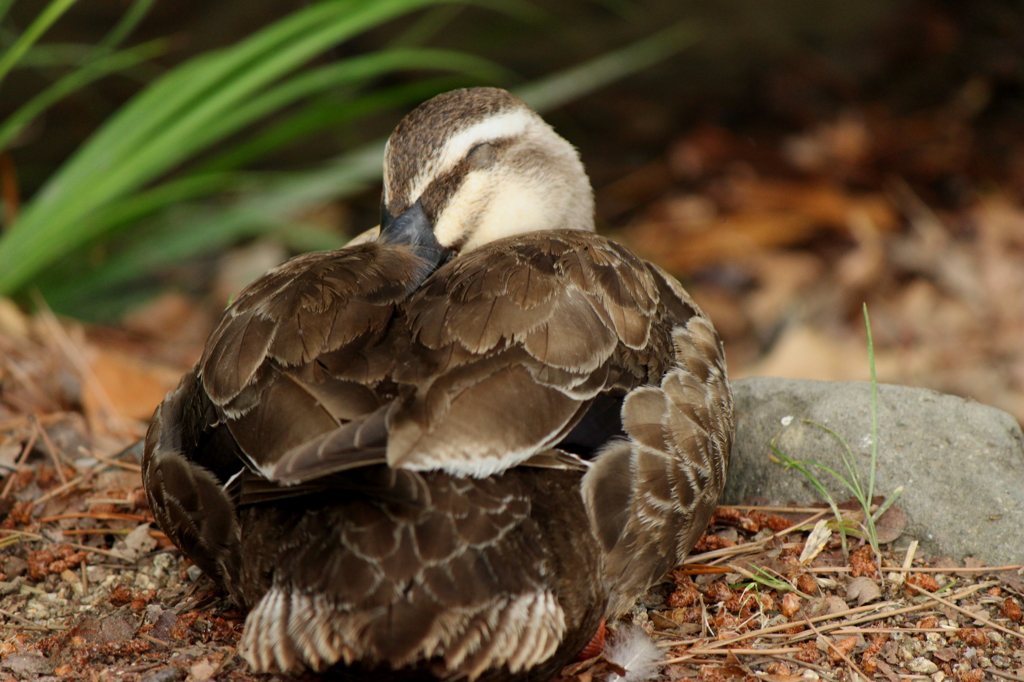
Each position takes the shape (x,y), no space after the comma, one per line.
(290,632)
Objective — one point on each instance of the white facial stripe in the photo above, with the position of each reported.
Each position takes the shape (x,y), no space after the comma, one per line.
(508,124)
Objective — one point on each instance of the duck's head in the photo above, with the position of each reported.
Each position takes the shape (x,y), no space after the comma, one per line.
(471,166)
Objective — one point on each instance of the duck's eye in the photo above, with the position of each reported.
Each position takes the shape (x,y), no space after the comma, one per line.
(481,156)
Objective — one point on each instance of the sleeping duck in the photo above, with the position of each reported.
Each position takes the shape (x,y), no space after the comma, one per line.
(451,449)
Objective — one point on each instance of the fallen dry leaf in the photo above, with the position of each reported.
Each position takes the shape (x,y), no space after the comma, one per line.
(765,214)
(790,604)
(890,525)
(12,321)
(202,670)
(133,386)
(864,590)
(137,543)
(816,541)
(27,664)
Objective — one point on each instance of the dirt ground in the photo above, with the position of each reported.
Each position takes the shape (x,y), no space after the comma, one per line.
(90,590)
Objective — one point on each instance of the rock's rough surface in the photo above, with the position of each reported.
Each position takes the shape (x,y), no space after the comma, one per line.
(961,463)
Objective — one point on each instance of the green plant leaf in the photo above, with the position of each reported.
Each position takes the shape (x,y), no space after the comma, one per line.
(117,61)
(5,5)
(853,483)
(874,402)
(265,208)
(176,117)
(325,113)
(31,34)
(128,22)
(573,83)
(268,206)
(355,70)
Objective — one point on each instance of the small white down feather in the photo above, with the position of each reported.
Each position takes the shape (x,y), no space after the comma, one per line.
(635,652)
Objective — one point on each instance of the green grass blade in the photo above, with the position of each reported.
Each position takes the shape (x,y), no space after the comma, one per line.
(197,123)
(573,83)
(150,250)
(147,202)
(873,535)
(822,490)
(169,122)
(324,114)
(874,403)
(31,34)
(49,55)
(128,22)
(428,25)
(846,454)
(798,465)
(195,83)
(72,82)
(264,209)
(5,5)
(201,124)
(882,508)
(358,69)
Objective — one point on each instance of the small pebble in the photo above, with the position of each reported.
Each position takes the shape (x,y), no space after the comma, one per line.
(1000,661)
(11,587)
(15,566)
(171,674)
(153,613)
(922,666)
(96,574)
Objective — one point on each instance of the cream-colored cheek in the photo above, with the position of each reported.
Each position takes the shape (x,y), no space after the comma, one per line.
(459,214)
(517,208)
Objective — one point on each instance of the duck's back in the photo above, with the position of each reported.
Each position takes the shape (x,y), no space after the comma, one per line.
(388,467)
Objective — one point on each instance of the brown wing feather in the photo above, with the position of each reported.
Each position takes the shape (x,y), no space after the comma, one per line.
(189,499)
(304,349)
(260,391)
(651,495)
(311,305)
(511,343)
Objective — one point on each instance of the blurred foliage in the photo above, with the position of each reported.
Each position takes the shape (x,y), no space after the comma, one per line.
(254,112)
(200,128)
(109,181)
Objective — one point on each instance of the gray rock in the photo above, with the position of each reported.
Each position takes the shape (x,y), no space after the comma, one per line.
(961,463)
(27,664)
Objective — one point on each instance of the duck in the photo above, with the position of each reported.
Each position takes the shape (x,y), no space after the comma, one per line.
(453,448)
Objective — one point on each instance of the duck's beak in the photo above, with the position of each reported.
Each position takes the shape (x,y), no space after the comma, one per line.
(413,228)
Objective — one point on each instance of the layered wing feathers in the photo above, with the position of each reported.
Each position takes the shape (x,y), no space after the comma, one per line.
(651,495)
(304,350)
(510,344)
(494,359)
